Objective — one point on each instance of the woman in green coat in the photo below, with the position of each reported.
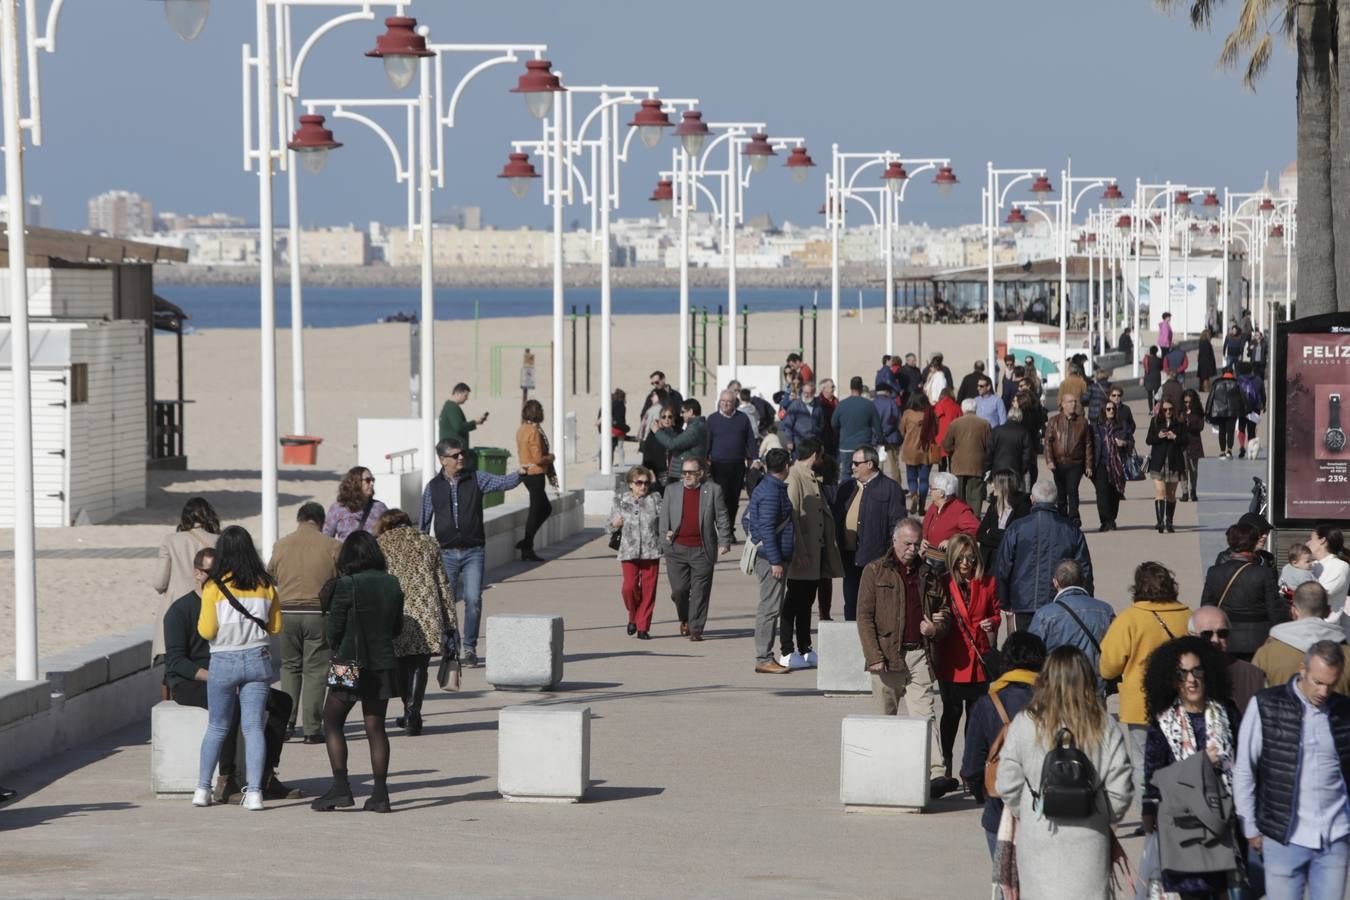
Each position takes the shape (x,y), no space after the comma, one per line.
(363,615)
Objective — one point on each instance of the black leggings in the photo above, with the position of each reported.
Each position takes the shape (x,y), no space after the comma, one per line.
(335,711)
(956,695)
(795,620)
(1226,426)
(540,508)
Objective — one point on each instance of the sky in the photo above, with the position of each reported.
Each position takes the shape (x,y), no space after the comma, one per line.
(1133,92)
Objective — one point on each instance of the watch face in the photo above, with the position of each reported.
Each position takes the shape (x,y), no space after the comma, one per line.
(1335,440)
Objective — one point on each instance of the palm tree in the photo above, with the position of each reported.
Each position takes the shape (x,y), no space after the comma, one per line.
(1323,275)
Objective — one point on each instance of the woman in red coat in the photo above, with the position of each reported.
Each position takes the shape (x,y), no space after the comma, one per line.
(961,675)
(947,411)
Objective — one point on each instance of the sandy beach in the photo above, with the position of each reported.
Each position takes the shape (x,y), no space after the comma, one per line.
(94,580)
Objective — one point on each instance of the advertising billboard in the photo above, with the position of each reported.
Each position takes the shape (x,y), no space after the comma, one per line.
(1310,457)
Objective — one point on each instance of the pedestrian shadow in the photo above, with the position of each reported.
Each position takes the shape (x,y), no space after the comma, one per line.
(14,818)
(602,792)
(411,805)
(459,728)
(721,634)
(583,657)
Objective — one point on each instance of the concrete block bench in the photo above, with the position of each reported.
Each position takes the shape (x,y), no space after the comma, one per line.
(20,700)
(883,763)
(175,747)
(840,668)
(544,753)
(524,652)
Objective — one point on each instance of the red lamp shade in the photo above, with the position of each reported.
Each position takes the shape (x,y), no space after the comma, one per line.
(518,171)
(1277,234)
(1195,227)
(1017,220)
(692,131)
(649,120)
(758,151)
(1266,205)
(1157,218)
(400,47)
(895,176)
(1112,196)
(1042,186)
(1181,203)
(538,84)
(311,141)
(1092,237)
(945,179)
(664,196)
(1124,223)
(1214,229)
(800,164)
(1210,205)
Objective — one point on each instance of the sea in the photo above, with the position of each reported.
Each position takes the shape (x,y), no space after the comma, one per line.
(229,306)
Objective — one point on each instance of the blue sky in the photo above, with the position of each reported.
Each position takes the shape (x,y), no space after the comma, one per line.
(1129,92)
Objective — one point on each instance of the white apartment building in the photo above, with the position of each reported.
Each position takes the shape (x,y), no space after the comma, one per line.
(489,247)
(334,247)
(121,214)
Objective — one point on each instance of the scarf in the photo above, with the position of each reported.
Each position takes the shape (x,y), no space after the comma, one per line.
(1175,724)
(1006,883)
(1013,676)
(1110,459)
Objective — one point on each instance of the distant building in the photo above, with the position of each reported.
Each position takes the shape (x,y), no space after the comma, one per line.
(334,247)
(1289,180)
(32,212)
(121,214)
(525,248)
(470,218)
(171,221)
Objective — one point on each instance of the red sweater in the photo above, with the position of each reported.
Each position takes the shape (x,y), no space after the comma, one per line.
(955,661)
(687,534)
(955,518)
(947,411)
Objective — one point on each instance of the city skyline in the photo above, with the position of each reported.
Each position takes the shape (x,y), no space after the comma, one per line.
(965,98)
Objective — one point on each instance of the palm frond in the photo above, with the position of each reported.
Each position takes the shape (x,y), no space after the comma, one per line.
(1257,64)
(1202,13)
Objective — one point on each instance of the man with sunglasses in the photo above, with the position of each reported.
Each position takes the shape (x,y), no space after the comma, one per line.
(867,507)
(452,512)
(669,396)
(697,531)
(1209,623)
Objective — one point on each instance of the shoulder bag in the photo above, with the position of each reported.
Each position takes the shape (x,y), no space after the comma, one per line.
(750,551)
(345,674)
(1228,587)
(991,661)
(995,748)
(365,514)
(1112,684)
(239,607)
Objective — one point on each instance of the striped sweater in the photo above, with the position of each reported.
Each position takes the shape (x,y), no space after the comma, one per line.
(226,628)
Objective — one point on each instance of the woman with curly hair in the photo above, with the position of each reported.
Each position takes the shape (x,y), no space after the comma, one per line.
(356,508)
(429,618)
(1186,691)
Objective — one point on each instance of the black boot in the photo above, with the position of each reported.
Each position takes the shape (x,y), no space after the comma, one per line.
(418,690)
(339,794)
(1159,510)
(378,801)
(1171,511)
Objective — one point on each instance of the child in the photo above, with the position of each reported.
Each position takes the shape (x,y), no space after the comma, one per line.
(1298,571)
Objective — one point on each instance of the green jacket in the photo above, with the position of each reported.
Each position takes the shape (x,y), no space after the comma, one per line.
(692,443)
(454,424)
(363,617)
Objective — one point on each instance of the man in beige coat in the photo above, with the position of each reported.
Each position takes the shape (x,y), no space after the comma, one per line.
(967,443)
(815,555)
(302,563)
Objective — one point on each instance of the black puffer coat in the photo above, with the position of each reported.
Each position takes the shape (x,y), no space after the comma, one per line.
(1226,400)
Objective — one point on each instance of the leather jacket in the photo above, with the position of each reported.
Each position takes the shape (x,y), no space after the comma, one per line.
(881,610)
(1068,441)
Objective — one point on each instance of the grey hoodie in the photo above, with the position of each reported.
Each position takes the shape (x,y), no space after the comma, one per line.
(1303,633)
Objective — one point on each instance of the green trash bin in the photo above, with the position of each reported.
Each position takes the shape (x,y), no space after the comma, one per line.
(493,461)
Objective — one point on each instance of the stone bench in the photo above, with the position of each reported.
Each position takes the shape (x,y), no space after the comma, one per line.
(524,652)
(544,753)
(840,668)
(20,700)
(175,747)
(883,763)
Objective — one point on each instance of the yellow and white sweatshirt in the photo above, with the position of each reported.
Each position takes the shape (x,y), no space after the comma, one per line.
(226,628)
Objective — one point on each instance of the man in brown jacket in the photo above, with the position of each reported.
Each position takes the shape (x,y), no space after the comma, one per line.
(1068,453)
(903,609)
(967,444)
(1282,653)
(302,562)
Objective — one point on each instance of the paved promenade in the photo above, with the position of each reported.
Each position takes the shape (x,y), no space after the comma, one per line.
(708,780)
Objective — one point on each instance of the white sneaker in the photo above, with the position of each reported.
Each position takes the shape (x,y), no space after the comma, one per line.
(785,661)
(795,661)
(811,660)
(201,797)
(252,801)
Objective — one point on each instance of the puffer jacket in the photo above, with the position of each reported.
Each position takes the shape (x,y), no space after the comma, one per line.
(1012,446)
(1068,442)
(802,420)
(1253,602)
(1027,556)
(768,508)
(890,419)
(1226,400)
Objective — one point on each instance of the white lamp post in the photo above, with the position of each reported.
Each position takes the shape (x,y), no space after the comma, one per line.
(1075,188)
(997,184)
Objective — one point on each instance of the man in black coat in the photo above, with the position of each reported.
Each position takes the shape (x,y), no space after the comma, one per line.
(866,510)
(1012,446)
(970,384)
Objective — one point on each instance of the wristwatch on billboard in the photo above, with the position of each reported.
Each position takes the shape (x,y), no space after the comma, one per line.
(1335,437)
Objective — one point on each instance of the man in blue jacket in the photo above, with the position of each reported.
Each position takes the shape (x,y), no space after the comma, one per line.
(768,523)
(1074,617)
(856,421)
(888,413)
(867,507)
(1031,548)
(802,418)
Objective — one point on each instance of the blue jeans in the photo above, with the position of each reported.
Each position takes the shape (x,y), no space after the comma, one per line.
(237,679)
(1290,868)
(468,564)
(918,480)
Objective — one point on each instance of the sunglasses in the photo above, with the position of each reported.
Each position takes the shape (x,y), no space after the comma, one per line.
(1198,673)
(1110,407)
(1220,633)
(966,561)
(368,480)
(687,472)
(857,462)
(642,481)
(459,455)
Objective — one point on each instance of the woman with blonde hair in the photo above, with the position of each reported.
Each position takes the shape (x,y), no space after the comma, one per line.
(356,508)
(964,655)
(635,516)
(429,622)
(536,464)
(1065,709)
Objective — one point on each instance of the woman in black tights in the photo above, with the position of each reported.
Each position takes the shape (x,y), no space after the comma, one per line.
(363,615)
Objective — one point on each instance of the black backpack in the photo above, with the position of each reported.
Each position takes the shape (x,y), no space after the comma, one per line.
(1068,781)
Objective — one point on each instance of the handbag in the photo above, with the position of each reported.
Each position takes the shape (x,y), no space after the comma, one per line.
(615,539)
(991,660)
(449,672)
(345,674)
(1229,586)
(750,550)
(1134,467)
